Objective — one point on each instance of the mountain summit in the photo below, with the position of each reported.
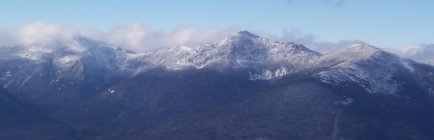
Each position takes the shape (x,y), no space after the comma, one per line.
(245,34)
(241,50)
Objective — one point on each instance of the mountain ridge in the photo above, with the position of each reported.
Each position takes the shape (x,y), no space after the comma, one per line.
(242,87)
(264,58)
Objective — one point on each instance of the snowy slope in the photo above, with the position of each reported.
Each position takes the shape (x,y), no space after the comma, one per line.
(268,59)
(61,64)
(261,58)
(240,50)
(366,65)
(362,64)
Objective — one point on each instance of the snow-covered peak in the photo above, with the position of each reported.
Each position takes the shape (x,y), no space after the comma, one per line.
(79,52)
(352,54)
(365,65)
(241,50)
(359,51)
(241,39)
(244,35)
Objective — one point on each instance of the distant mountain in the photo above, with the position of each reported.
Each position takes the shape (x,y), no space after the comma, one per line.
(57,72)
(243,87)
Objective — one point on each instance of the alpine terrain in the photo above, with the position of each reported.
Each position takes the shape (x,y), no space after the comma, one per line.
(243,87)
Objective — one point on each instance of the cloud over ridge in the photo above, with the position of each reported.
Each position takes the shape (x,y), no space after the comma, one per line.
(134,36)
(138,37)
(421,53)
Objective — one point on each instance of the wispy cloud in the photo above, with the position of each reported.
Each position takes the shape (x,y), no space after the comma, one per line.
(39,32)
(139,37)
(311,40)
(7,38)
(133,36)
(420,53)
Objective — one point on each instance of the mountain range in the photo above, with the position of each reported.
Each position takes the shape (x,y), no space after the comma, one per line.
(242,87)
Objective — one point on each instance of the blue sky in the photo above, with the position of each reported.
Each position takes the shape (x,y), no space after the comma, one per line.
(384,23)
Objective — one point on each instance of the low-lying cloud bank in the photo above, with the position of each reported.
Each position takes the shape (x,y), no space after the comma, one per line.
(133,36)
(312,41)
(420,53)
(138,37)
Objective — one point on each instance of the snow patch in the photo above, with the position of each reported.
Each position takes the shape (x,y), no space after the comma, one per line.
(268,74)
(372,82)
(346,101)
(407,65)
(110,91)
(67,61)
(8,74)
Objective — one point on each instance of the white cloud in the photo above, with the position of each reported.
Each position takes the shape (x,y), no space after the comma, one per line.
(311,41)
(133,36)
(139,37)
(420,53)
(40,33)
(194,36)
(7,38)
